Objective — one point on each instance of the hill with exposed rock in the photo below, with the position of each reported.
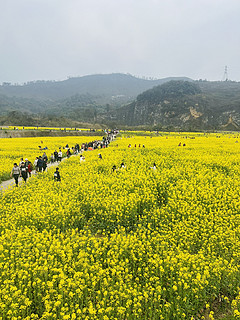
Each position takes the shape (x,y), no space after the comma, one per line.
(125,101)
(183,105)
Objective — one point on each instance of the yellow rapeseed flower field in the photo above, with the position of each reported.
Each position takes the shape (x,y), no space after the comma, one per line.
(13,149)
(44,128)
(124,244)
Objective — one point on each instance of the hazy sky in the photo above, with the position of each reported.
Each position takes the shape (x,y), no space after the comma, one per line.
(55,39)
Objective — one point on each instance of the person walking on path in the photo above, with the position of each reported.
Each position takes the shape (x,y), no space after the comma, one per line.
(15,173)
(29,166)
(23,172)
(55,156)
(44,156)
(57,175)
(68,153)
(35,163)
(21,160)
(40,164)
(60,155)
(44,164)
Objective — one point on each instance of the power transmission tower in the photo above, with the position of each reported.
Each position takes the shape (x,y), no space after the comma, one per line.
(225,75)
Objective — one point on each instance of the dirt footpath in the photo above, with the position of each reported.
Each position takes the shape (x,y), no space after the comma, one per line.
(11,182)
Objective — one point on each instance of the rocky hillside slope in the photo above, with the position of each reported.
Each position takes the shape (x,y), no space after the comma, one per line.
(185,105)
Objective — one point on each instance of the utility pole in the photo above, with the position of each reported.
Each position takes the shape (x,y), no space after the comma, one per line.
(225,75)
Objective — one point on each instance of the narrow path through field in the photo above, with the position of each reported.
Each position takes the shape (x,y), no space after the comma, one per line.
(11,182)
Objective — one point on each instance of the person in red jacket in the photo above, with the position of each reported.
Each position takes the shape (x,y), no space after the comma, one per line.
(29,166)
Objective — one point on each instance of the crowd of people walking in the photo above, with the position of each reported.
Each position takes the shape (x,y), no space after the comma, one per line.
(23,170)
(25,167)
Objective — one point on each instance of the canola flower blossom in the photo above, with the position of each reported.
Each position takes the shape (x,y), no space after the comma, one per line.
(135,243)
(13,149)
(45,128)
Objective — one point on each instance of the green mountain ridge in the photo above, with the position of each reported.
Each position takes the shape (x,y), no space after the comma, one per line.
(79,98)
(100,84)
(184,105)
(124,100)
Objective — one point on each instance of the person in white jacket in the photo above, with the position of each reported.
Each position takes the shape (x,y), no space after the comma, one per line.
(35,164)
(15,173)
(60,155)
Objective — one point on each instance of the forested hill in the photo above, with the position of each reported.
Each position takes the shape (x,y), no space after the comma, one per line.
(124,100)
(81,98)
(185,105)
(108,85)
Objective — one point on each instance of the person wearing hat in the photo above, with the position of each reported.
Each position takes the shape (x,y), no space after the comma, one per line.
(15,173)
